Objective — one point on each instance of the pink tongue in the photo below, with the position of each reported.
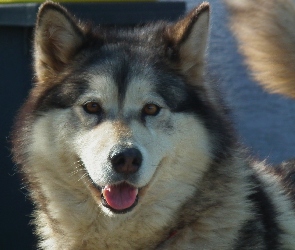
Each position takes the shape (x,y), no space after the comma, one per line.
(120,196)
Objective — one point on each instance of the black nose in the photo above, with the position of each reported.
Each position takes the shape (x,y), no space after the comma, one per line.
(125,160)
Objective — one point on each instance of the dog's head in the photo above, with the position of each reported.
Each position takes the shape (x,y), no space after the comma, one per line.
(123,111)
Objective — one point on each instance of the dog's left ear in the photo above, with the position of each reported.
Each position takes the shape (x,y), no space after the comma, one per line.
(187,41)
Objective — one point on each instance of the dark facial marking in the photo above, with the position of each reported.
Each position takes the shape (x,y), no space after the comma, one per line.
(183,97)
(61,96)
(121,77)
(114,61)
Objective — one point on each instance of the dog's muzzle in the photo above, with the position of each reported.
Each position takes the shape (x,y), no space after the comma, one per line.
(122,197)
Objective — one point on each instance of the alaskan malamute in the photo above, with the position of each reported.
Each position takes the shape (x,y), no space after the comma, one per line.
(125,144)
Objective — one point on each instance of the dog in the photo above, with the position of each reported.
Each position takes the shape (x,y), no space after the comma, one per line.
(125,143)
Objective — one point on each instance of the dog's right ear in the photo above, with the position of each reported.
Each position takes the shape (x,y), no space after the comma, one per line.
(57,39)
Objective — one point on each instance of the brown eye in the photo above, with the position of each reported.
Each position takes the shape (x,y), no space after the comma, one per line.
(151,109)
(92,107)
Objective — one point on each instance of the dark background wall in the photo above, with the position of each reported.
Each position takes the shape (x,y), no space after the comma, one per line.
(15,233)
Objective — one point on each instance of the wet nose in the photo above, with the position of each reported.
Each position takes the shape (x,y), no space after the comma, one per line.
(126,160)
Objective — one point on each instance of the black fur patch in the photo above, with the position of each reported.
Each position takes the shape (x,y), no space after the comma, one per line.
(263,230)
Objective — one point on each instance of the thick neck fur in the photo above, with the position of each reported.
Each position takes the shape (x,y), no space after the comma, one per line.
(199,214)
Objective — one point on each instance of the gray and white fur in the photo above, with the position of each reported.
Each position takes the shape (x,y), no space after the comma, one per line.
(124,143)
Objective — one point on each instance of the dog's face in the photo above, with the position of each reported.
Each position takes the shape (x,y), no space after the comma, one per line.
(123,134)
(119,112)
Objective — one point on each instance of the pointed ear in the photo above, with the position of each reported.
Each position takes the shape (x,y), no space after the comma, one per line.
(188,41)
(57,39)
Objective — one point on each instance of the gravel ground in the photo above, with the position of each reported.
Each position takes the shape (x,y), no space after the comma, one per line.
(265,122)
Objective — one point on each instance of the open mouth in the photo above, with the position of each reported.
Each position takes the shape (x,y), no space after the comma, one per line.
(119,198)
